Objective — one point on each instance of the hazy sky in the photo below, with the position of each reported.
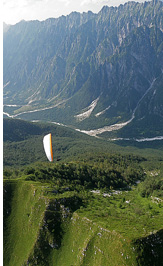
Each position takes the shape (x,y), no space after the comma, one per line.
(16,10)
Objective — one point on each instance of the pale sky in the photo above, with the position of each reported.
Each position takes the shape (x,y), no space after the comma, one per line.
(15,10)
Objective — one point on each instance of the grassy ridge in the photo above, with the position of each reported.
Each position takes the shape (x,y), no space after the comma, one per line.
(51,217)
(57,220)
(87,243)
(81,228)
(22,220)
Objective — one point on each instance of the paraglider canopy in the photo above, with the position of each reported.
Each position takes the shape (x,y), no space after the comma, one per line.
(47,143)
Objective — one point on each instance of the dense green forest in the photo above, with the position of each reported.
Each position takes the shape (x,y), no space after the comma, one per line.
(23,144)
(112,192)
(98,203)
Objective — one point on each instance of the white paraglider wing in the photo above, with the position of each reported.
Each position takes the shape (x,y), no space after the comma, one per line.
(47,143)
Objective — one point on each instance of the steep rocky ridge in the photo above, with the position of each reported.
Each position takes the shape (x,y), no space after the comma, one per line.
(70,63)
(41,230)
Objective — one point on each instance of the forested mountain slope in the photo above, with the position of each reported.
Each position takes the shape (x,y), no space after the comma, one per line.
(100,210)
(23,144)
(89,70)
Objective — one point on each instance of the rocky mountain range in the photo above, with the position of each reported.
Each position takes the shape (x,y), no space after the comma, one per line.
(100,73)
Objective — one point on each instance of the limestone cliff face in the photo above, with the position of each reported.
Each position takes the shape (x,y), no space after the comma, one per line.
(59,67)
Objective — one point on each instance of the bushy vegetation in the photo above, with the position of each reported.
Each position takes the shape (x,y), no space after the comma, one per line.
(152,186)
(110,172)
(83,206)
(83,209)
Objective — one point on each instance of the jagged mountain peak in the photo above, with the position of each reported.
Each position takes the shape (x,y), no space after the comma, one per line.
(60,67)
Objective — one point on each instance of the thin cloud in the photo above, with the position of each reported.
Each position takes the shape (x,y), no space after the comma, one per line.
(16,10)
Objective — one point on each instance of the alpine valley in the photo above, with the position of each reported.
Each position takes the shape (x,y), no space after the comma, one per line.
(99,73)
(100,202)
